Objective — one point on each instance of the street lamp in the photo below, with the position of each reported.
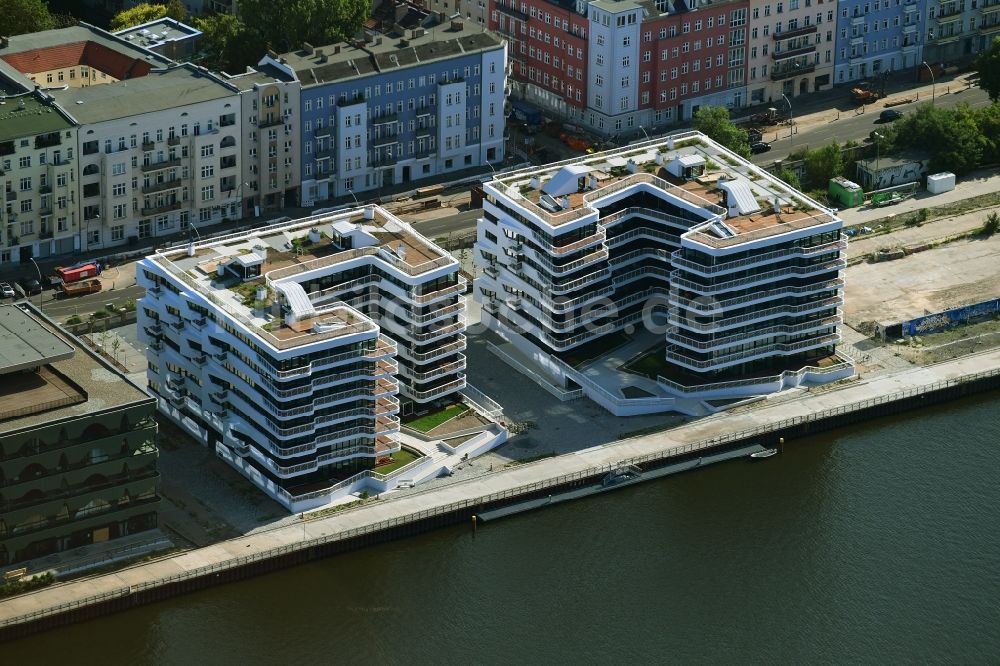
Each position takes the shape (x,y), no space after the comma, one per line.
(645,132)
(933,82)
(351,192)
(39,283)
(791,124)
(878,149)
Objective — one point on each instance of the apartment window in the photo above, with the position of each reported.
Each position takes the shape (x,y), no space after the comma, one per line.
(120,211)
(118,190)
(207,170)
(118,169)
(208,193)
(207,150)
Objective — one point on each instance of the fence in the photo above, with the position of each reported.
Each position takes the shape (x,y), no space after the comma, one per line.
(477,503)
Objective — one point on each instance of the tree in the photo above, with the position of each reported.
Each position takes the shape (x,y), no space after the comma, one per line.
(952,136)
(713,122)
(20,16)
(176,10)
(141,13)
(988,68)
(824,163)
(227,43)
(790,178)
(284,25)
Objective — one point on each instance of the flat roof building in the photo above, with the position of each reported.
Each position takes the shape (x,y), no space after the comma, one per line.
(166,36)
(77,443)
(284,349)
(737,274)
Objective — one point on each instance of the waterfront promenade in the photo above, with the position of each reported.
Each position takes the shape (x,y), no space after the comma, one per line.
(769,420)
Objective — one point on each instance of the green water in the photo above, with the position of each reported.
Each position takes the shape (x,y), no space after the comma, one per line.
(875,544)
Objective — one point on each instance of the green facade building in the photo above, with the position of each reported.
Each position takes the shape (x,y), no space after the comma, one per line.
(77,444)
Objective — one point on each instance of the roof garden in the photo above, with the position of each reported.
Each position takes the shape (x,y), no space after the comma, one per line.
(255,277)
(738,200)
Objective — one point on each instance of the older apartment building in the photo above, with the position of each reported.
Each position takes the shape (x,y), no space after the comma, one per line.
(284,350)
(40,215)
(792,48)
(397,108)
(158,144)
(737,277)
(616,66)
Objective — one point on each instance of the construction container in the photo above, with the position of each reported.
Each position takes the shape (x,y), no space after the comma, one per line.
(941,182)
(847,193)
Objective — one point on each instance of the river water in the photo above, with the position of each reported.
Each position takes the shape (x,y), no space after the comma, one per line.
(877,543)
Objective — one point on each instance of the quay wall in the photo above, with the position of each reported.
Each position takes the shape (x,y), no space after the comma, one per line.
(408,524)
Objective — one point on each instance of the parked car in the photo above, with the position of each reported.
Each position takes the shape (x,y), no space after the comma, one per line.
(31,286)
(889,115)
(6,291)
(759,147)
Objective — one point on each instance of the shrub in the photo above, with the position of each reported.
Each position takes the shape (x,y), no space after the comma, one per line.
(992,224)
(130,305)
(75,319)
(13,587)
(100,314)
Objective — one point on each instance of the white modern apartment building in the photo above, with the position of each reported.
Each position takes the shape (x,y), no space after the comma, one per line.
(739,274)
(259,344)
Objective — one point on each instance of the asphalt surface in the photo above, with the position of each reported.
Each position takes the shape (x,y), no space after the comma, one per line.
(855,125)
(442,226)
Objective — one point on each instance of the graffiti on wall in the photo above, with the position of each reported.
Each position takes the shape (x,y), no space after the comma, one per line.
(940,321)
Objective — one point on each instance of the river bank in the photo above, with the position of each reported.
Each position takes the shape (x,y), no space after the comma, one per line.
(416,511)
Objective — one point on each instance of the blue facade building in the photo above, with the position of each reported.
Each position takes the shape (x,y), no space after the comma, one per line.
(397,108)
(878,36)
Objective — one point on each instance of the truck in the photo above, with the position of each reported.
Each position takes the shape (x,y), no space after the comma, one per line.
(77,272)
(846,193)
(864,93)
(81,287)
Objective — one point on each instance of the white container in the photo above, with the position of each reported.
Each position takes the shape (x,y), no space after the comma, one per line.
(941,182)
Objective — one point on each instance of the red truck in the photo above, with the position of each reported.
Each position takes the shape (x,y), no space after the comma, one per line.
(76,273)
(82,287)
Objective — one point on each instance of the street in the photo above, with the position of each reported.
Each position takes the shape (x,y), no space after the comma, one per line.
(818,129)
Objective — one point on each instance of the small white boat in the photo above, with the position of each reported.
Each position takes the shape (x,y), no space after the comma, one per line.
(766,453)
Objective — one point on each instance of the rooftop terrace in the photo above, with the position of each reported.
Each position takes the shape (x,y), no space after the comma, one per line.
(738,201)
(72,382)
(243,274)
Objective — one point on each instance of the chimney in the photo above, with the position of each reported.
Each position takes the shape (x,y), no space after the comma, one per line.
(777,205)
(670,143)
(261,251)
(631,165)
(191,249)
(369,212)
(307,47)
(536,183)
(261,294)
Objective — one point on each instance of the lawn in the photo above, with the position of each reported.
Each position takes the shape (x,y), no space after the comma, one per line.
(404,457)
(430,421)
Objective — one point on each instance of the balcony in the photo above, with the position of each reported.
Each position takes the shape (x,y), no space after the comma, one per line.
(321,132)
(156,210)
(987,29)
(387,139)
(948,13)
(384,161)
(170,184)
(792,53)
(164,164)
(384,119)
(45,189)
(797,32)
(275,121)
(778,75)
(511,11)
(173,140)
(148,145)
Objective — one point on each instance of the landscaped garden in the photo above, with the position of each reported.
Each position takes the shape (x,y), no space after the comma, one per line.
(428,422)
(403,457)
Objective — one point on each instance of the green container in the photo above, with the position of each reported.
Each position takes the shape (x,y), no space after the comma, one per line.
(845,192)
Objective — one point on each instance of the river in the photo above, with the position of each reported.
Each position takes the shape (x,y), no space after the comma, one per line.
(877,543)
